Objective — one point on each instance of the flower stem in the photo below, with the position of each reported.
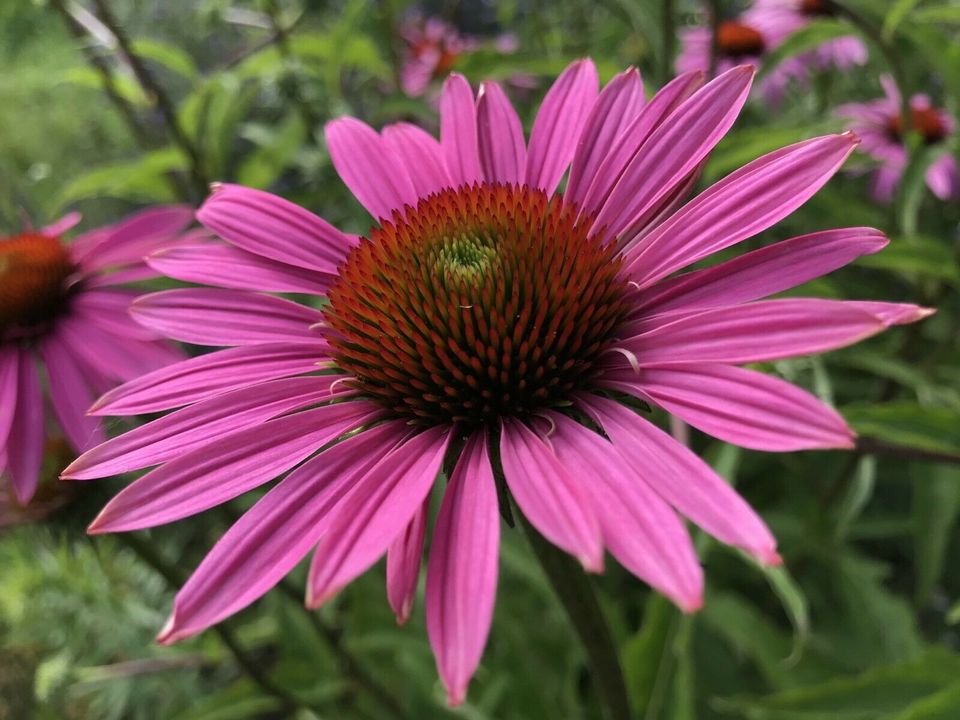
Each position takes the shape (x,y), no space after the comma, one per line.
(575,592)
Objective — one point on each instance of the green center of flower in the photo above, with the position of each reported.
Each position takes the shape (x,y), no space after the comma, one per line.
(34,269)
(481,302)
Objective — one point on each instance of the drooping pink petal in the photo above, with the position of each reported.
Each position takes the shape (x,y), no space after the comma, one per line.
(70,394)
(9,376)
(674,149)
(129,241)
(376,511)
(26,435)
(421,154)
(559,123)
(683,479)
(404,557)
(109,308)
(274,228)
(556,505)
(616,107)
(639,528)
(208,316)
(740,406)
(503,152)
(462,570)
(458,131)
(372,171)
(227,266)
(633,136)
(275,534)
(755,332)
(127,358)
(763,272)
(892,313)
(203,478)
(200,424)
(206,376)
(68,221)
(742,204)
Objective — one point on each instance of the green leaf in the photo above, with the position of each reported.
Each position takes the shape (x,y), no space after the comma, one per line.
(804,39)
(944,705)
(895,15)
(277,148)
(916,256)
(644,665)
(938,14)
(908,424)
(741,146)
(792,600)
(936,501)
(141,180)
(124,85)
(913,185)
(169,56)
(857,495)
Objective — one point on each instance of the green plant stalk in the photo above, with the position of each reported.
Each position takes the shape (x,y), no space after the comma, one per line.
(575,592)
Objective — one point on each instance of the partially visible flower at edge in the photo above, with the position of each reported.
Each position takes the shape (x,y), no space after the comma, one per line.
(880,127)
(61,310)
(488,325)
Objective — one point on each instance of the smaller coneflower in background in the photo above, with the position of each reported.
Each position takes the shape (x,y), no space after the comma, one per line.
(61,310)
(879,123)
(743,40)
(788,16)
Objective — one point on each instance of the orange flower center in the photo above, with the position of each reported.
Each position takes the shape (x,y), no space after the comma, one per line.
(481,302)
(928,122)
(737,40)
(445,62)
(33,282)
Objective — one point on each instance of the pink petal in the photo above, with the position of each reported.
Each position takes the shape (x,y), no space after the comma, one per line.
(70,394)
(639,528)
(462,571)
(559,123)
(739,406)
(616,107)
(236,462)
(892,313)
(275,534)
(210,375)
(225,317)
(372,171)
(129,241)
(376,511)
(755,332)
(109,309)
(403,565)
(742,204)
(458,131)
(683,479)
(68,221)
(503,153)
(554,503)
(274,228)
(200,424)
(632,138)
(230,267)
(420,153)
(674,149)
(763,272)
(9,376)
(26,435)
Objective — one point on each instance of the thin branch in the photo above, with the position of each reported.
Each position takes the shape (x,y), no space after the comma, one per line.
(874,446)
(154,90)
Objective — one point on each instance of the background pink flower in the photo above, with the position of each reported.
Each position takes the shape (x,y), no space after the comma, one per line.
(488,326)
(880,127)
(61,311)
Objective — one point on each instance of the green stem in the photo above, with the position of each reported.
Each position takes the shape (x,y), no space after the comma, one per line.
(575,592)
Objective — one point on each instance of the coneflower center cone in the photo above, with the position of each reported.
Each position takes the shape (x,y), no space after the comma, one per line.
(926,121)
(738,40)
(34,270)
(482,302)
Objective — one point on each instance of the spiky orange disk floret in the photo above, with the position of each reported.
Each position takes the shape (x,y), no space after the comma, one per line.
(33,276)
(482,302)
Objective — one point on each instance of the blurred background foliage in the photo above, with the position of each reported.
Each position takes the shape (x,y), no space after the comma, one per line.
(107,106)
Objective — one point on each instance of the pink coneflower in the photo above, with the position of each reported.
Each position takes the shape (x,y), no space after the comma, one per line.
(880,126)
(487,324)
(788,16)
(60,309)
(433,47)
(744,39)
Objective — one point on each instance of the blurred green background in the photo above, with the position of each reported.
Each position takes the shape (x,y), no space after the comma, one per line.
(863,622)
